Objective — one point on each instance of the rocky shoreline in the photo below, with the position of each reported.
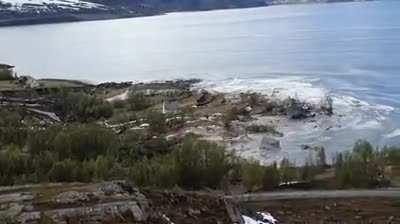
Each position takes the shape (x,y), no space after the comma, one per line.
(249,123)
(65,18)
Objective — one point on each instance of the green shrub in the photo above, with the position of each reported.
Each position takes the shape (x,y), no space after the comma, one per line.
(157,122)
(63,171)
(361,168)
(288,171)
(40,140)
(321,158)
(72,170)
(45,220)
(363,151)
(86,172)
(308,172)
(119,104)
(43,162)
(155,146)
(263,129)
(83,142)
(138,101)
(82,107)
(6,75)
(13,164)
(132,146)
(102,167)
(252,174)
(255,176)
(12,130)
(271,178)
(159,172)
(197,159)
(391,155)
(193,165)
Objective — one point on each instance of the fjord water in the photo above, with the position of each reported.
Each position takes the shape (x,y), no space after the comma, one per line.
(348,50)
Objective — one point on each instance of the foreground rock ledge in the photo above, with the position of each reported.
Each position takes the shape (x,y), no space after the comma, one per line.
(111,202)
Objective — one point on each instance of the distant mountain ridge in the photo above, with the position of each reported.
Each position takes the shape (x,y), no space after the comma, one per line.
(24,12)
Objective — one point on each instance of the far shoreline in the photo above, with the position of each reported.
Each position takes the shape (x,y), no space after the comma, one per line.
(29,21)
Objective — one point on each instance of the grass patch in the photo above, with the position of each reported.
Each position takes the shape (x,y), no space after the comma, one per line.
(263,129)
(396,204)
(6,75)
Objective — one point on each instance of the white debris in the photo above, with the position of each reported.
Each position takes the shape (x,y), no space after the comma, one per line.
(51,115)
(190,122)
(108,125)
(393,134)
(145,125)
(248,109)
(267,218)
(248,220)
(170,137)
(167,219)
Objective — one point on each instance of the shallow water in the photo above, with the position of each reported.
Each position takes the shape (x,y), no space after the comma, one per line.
(350,51)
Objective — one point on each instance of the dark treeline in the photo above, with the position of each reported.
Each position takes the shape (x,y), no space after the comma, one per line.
(180,5)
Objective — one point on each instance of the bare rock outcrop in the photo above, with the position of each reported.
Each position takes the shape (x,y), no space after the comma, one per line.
(270,144)
(111,202)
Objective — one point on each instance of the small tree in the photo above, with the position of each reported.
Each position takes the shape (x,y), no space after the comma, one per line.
(253,175)
(288,173)
(102,167)
(12,130)
(361,168)
(321,157)
(63,171)
(81,107)
(157,122)
(84,142)
(271,177)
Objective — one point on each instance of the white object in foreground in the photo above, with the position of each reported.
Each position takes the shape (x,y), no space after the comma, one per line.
(267,218)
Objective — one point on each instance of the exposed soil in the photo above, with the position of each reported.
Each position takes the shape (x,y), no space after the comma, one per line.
(327,211)
(188,208)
